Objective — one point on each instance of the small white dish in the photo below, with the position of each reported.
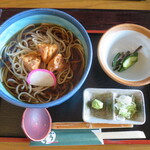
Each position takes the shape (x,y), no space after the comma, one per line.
(108,114)
(123,38)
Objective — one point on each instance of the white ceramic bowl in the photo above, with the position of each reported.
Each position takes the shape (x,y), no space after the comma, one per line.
(122,38)
(108,114)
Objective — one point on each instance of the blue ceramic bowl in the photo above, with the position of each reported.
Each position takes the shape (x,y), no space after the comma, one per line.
(35,16)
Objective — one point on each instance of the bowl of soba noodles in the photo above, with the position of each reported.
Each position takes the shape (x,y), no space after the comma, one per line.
(43,39)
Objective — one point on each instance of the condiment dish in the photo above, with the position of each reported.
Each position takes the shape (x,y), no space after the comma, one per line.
(108,113)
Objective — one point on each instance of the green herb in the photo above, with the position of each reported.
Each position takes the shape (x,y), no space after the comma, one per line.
(125,106)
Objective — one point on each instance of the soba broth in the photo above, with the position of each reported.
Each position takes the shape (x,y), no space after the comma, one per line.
(14,74)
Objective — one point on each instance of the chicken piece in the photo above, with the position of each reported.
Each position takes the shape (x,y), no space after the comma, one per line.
(48,51)
(31,60)
(57,63)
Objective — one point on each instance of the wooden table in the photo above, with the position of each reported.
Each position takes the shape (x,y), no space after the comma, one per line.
(86,4)
(94,4)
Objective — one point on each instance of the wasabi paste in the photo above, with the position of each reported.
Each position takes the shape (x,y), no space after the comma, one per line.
(97,104)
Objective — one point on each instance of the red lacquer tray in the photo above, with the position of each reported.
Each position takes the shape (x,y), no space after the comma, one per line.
(96,22)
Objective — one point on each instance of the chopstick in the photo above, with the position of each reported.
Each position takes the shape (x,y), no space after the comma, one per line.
(120,135)
(84,125)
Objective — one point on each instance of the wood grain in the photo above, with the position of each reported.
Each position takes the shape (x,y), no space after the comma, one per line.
(89,4)
(84,125)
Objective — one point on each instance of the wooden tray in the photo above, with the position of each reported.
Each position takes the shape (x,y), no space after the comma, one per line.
(69,114)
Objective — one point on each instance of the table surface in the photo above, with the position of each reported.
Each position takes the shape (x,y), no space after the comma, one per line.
(90,4)
(84,4)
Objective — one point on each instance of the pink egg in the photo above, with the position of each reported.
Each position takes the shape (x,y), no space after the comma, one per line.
(36,123)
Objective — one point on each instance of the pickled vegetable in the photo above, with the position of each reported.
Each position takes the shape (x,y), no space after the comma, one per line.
(122,61)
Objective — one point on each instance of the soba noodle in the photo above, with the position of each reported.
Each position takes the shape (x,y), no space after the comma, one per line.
(14,74)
